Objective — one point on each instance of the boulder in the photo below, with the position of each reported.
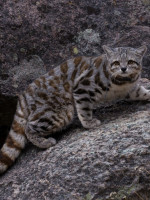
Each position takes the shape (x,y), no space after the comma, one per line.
(108,162)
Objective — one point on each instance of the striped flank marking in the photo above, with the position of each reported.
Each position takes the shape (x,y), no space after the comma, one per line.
(64,68)
(73,75)
(80,91)
(98,61)
(77,61)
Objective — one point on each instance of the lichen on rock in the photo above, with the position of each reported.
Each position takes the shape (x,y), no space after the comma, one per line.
(88,41)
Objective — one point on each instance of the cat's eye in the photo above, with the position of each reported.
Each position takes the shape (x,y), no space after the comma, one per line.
(116,63)
(131,62)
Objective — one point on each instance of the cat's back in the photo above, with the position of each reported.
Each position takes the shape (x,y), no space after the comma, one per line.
(67,70)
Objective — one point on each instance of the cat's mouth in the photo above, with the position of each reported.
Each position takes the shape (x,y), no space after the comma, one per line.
(122,79)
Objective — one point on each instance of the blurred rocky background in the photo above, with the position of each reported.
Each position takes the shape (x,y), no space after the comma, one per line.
(37,35)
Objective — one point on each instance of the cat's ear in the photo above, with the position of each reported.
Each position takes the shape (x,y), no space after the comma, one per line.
(107,50)
(141,51)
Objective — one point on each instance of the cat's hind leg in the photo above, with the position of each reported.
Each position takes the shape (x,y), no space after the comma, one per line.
(38,140)
(47,124)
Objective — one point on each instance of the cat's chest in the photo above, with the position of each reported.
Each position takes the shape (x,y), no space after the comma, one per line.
(115,93)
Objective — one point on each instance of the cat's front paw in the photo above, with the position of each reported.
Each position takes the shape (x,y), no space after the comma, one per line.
(91,123)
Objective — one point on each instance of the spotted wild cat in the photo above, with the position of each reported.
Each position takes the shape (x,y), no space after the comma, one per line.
(80,84)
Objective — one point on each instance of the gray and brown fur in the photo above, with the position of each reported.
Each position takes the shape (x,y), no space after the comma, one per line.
(80,84)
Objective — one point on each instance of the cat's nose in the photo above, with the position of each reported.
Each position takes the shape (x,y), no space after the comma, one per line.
(123,69)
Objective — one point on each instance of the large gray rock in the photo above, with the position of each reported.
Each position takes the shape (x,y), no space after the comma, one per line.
(110,162)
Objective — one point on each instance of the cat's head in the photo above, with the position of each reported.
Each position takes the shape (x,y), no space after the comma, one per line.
(124,63)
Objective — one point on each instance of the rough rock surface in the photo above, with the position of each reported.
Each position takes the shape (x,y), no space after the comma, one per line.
(56,30)
(109,162)
(35,36)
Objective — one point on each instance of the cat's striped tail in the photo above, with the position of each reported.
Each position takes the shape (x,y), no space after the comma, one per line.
(15,141)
